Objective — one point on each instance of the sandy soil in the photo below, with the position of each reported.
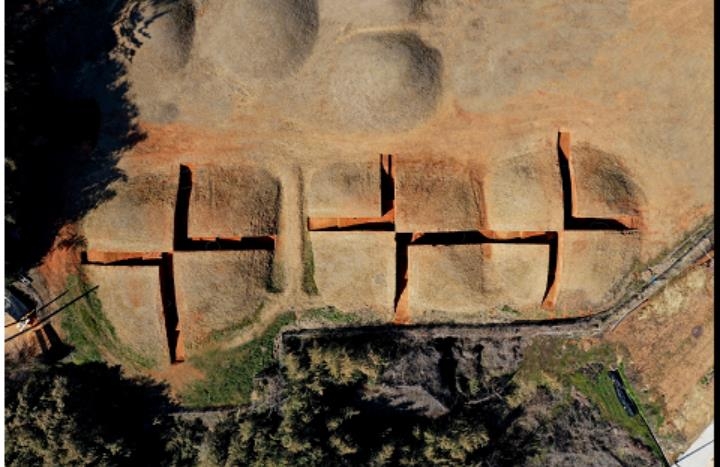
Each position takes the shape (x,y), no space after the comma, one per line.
(433,195)
(355,271)
(524,193)
(595,268)
(345,189)
(465,282)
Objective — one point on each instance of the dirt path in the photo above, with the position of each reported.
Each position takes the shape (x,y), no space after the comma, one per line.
(288,257)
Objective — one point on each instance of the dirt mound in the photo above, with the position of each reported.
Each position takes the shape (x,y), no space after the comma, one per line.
(355,271)
(231,202)
(468,281)
(216,290)
(139,218)
(132,303)
(259,38)
(595,266)
(603,187)
(345,189)
(167,37)
(385,81)
(436,196)
(524,193)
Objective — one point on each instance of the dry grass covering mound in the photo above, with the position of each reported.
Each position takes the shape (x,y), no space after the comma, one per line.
(463,282)
(345,189)
(436,196)
(385,81)
(139,218)
(355,271)
(524,194)
(603,186)
(217,290)
(131,302)
(260,38)
(168,38)
(594,267)
(233,202)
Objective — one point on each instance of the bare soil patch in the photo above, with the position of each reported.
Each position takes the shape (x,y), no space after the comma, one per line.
(167,37)
(256,40)
(369,12)
(384,81)
(602,185)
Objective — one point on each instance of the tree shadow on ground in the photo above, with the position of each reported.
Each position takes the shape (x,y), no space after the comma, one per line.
(68,115)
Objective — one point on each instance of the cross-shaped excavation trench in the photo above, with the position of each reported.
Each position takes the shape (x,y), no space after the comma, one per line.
(182,242)
(404,240)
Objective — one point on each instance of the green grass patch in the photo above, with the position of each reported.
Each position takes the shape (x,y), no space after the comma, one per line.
(599,387)
(509,309)
(220,335)
(229,373)
(276,279)
(331,315)
(92,335)
(553,361)
(308,279)
(708,377)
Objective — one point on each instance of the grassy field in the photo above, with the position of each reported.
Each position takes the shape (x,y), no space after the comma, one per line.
(93,337)
(330,315)
(229,374)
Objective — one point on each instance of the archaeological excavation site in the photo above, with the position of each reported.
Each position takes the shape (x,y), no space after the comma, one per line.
(242,232)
